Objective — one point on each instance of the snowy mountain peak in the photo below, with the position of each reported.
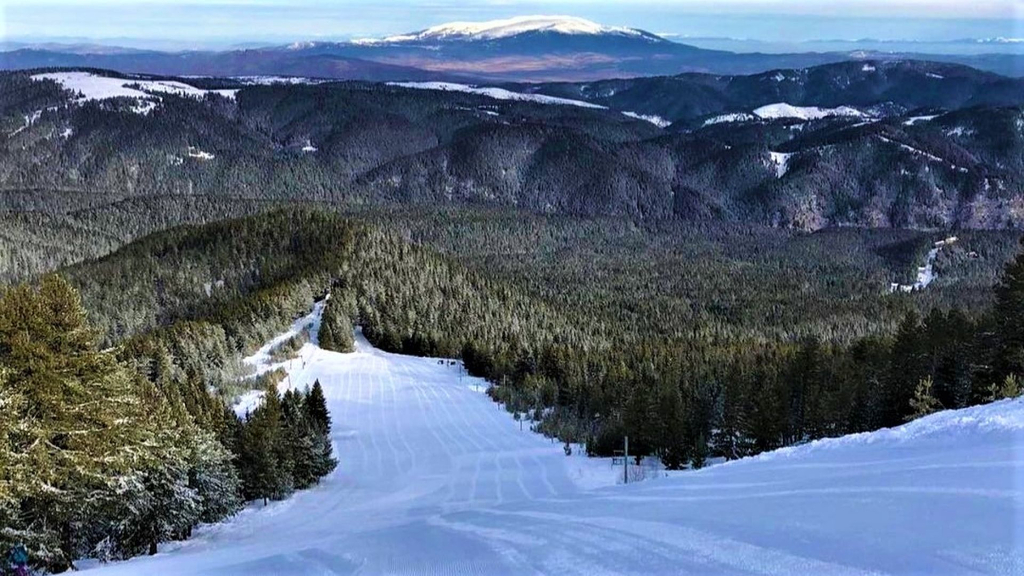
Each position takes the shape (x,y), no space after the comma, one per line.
(497,29)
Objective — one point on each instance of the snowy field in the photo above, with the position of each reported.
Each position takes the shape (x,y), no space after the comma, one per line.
(434,478)
(95,87)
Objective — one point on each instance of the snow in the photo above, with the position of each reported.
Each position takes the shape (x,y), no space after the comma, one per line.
(734,117)
(868,68)
(30,119)
(496,29)
(96,87)
(309,147)
(925,274)
(783,110)
(272,80)
(435,478)
(194,152)
(496,93)
(781,161)
(653,119)
(915,119)
(919,152)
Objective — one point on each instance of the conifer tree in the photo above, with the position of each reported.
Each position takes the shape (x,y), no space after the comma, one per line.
(1010,387)
(1009,317)
(80,424)
(673,442)
(266,469)
(924,402)
(316,407)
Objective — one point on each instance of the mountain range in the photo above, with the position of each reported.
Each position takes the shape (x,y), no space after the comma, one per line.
(877,144)
(524,49)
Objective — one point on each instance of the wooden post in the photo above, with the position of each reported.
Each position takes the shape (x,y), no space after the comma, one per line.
(625,463)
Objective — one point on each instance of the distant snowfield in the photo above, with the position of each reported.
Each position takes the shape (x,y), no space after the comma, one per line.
(502,94)
(653,119)
(496,93)
(783,110)
(434,478)
(96,87)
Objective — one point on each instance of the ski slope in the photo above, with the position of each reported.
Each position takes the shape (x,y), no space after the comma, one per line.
(434,478)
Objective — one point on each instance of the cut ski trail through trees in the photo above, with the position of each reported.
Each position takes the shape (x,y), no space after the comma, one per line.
(434,478)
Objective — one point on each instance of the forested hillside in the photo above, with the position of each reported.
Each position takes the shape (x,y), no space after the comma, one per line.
(568,362)
(101,171)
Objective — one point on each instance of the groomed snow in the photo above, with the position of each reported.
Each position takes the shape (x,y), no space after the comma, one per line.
(434,478)
(96,87)
(496,93)
(495,29)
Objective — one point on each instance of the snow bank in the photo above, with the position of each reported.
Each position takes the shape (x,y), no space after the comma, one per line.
(946,427)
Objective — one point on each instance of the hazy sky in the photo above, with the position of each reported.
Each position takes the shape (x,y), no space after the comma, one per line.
(233,21)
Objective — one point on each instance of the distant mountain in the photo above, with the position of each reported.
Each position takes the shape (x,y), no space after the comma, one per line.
(522,49)
(514,27)
(535,48)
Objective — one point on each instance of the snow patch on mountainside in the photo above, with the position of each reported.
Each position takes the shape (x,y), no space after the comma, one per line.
(496,93)
(653,119)
(727,118)
(95,87)
(496,29)
(781,162)
(783,110)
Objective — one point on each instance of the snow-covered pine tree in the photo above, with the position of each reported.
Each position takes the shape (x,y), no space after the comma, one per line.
(299,434)
(78,421)
(213,476)
(265,467)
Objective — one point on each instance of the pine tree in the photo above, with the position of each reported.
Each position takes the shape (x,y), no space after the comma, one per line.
(80,423)
(265,467)
(316,407)
(213,476)
(924,402)
(672,443)
(1010,387)
(700,452)
(1009,317)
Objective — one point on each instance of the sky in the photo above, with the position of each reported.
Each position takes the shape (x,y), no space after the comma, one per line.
(197,23)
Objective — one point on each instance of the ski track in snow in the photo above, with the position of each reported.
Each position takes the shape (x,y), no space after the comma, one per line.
(435,478)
